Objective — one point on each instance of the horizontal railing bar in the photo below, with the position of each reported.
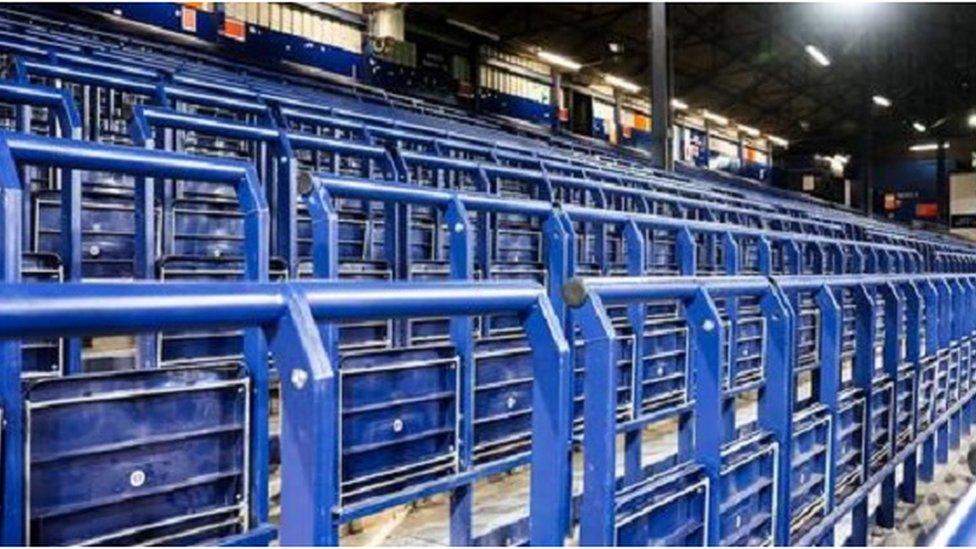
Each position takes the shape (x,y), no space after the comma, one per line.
(41,309)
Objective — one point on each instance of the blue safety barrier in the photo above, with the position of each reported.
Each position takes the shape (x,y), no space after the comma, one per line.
(858,403)
(783,399)
(319,433)
(139,252)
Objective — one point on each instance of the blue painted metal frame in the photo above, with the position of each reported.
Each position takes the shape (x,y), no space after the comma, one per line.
(462,262)
(291,315)
(600,483)
(828,250)
(593,295)
(938,303)
(16,149)
(282,190)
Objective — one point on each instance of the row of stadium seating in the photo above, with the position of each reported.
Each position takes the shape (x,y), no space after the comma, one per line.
(796,355)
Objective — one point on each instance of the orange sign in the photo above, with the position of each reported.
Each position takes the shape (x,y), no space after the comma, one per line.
(188,19)
(234,29)
(927,210)
(642,122)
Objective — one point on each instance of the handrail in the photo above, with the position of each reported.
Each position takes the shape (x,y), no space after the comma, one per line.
(297,320)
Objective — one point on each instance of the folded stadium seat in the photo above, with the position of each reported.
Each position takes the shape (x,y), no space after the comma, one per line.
(42,357)
(150,488)
(203,231)
(852,423)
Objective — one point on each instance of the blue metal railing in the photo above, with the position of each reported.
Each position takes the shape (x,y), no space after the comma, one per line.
(947,326)
(295,319)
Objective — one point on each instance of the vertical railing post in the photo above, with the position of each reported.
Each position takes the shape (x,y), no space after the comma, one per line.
(912,335)
(461,329)
(705,335)
(636,315)
(893,310)
(864,322)
(687,252)
(829,354)
(11,400)
(776,402)
(931,299)
(943,433)
(598,504)
(552,418)
(310,476)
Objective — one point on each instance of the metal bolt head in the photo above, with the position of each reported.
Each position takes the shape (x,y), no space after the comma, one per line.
(137,478)
(94,251)
(511,402)
(298,378)
(708,325)
(397,425)
(459,227)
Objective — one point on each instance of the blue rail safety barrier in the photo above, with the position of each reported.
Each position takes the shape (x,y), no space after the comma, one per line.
(928,312)
(17,150)
(296,319)
(729,249)
(848,335)
(278,171)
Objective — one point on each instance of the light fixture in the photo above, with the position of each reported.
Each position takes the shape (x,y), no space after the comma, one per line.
(748,130)
(919,127)
(559,60)
(881,101)
(927,147)
(817,55)
(717,118)
(679,105)
(618,82)
(837,161)
(971,121)
(777,140)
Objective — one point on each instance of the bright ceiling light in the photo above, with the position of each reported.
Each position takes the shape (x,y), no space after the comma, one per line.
(717,118)
(749,130)
(817,55)
(618,82)
(679,105)
(919,127)
(777,140)
(881,101)
(559,60)
(971,121)
(927,147)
